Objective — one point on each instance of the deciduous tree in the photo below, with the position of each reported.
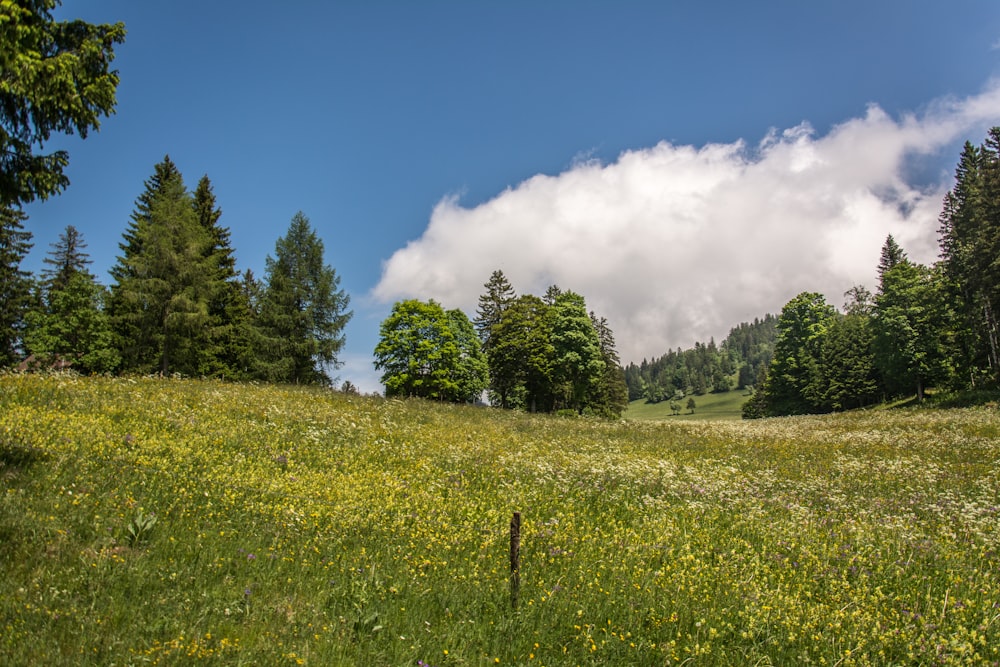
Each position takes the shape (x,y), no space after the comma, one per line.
(426,352)
(577,363)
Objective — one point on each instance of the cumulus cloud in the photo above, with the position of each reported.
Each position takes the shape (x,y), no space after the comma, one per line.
(677,243)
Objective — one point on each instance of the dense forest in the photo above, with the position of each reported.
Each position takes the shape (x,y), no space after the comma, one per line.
(739,362)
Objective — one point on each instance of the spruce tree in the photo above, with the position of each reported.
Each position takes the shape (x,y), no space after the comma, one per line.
(160,301)
(302,311)
(521,356)
(68,324)
(912,337)
(15,284)
(70,327)
(492,306)
(67,258)
(498,297)
(228,344)
(610,397)
(891,255)
(969,231)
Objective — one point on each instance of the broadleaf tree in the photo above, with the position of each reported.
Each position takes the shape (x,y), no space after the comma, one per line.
(577,362)
(427,352)
(795,383)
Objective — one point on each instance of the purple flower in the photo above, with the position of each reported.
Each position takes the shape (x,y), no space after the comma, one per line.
(251,557)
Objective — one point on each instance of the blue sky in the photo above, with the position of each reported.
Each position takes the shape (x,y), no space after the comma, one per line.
(684,165)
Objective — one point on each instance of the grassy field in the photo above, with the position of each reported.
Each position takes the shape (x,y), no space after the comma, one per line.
(175,522)
(710,407)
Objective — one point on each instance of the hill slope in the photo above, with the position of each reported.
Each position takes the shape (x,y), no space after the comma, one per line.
(169,522)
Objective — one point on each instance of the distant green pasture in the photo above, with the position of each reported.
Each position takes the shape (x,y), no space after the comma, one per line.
(727,405)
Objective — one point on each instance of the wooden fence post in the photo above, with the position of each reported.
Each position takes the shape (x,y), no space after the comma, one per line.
(515,559)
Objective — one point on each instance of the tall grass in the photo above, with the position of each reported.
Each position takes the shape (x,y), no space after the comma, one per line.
(168,522)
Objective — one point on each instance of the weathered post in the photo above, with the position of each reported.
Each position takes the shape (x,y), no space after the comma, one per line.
(515,559)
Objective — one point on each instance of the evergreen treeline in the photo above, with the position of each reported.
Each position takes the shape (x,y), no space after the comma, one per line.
(927,326)
(741,359)
(177,304)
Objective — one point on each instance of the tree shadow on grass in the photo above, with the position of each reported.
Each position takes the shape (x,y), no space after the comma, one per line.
(16,458)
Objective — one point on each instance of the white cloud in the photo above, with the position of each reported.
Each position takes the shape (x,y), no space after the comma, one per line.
(674,244)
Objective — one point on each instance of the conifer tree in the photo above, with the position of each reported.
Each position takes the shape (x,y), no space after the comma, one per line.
(610,397)
(15,284)
(67,258)
(228,344)
(970,244)
(911,343)
(891,255)
(160,302)
(55,77)
(521,356)
(302,311)
(498,297)
(69,324)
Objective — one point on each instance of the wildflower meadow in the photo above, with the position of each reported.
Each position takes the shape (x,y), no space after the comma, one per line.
(165,522)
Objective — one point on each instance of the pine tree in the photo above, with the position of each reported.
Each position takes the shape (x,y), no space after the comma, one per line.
(15,284)
(302,311)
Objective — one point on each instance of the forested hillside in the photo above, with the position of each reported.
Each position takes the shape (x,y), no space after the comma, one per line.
(739,362)
(926,326)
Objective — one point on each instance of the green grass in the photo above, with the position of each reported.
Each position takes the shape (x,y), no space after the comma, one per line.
(726,405)
(167,522)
